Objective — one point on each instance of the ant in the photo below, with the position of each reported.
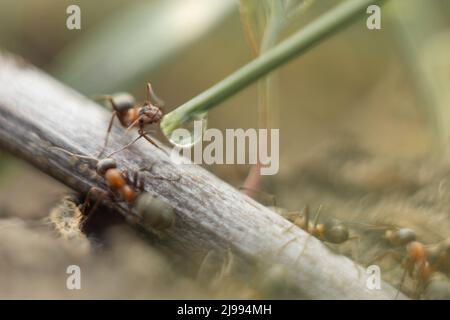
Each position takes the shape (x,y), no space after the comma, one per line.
(393,235)
(131,115)
(332,231)
(414,260)
(130,189)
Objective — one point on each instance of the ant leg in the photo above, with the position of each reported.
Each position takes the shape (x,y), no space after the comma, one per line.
(141,183)
(395,254)
(153,98)
(143,134)
(304,247)
(80,156)
(316,218)
(285,245)
(132,124)
(137,181)
(93,193)
(124,147)
(126,176)
(108,132)
(203,264)
(354,253)
(401,284)
(226,267)
(306,219)
(230,261)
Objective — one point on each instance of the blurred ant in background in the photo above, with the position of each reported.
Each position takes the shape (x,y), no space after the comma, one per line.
(132,115)
(332,231)
(419,261)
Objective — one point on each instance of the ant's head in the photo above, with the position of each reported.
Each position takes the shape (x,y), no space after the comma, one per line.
(149,114)
(105,164)
(123,101)
(335,232)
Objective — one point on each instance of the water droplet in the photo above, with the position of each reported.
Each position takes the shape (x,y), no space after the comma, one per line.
(189,133)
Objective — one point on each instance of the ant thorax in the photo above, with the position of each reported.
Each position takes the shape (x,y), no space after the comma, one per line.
(130,117)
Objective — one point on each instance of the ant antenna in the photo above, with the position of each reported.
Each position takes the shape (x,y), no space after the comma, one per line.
(74,154)
(152,97)
(143,135)
(132,124)
(316,218)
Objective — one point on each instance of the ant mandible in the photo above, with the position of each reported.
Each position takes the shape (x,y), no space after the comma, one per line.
(131,115)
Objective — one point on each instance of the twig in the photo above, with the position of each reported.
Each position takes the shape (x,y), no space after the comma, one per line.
(37,112)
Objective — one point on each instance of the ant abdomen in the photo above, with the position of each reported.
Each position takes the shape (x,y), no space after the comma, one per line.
(400,237)
(123,101)
(154,212)
(335,232)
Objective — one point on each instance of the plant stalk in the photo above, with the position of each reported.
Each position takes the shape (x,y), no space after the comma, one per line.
(323,27)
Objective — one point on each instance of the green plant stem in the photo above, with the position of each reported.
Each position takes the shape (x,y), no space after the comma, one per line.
(318,30)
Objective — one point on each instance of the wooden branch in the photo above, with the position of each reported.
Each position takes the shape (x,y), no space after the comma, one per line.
(37,112)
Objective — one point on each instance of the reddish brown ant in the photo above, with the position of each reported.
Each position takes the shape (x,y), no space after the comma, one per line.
(131,115)
(414,260)
(421,262)
(393,235)
(130,189)
(332,231)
